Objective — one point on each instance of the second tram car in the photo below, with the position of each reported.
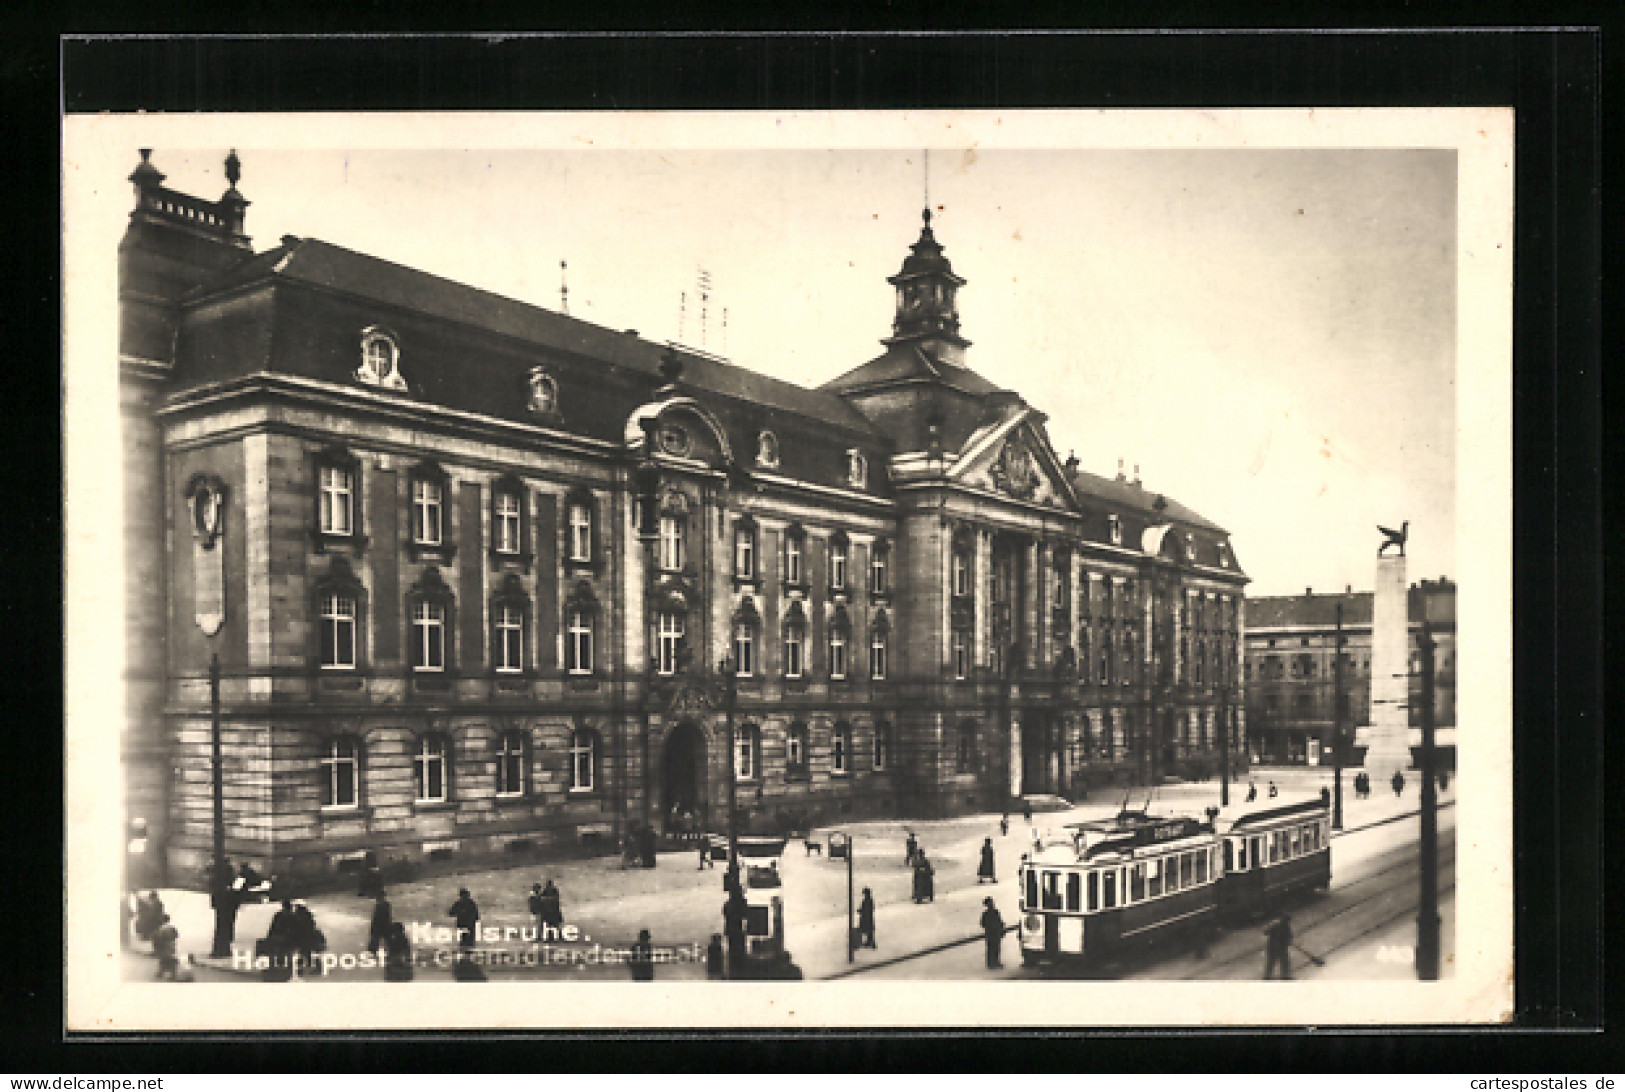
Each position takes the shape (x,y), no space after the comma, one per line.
(1271,852)
(1120,883)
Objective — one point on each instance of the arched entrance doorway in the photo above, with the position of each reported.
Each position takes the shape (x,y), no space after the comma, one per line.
(1037,754)
(683,779)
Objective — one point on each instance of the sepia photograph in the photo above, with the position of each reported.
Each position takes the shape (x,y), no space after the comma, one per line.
(751,569)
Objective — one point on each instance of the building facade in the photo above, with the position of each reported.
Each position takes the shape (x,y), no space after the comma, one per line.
(1291,676)
(483,578)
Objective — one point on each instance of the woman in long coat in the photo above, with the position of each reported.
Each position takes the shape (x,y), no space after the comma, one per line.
(923,886)
(866,919)
(985,870)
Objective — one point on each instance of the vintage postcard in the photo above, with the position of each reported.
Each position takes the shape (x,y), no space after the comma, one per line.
(806,570)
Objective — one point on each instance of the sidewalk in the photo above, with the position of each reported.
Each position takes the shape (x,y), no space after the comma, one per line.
(681,904)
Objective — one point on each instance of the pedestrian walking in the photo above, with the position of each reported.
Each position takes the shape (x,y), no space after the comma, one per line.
(1398,783)
(705,855)
(371,884)
(466,913)
(1004,824)
(383,922)
(552,911)
(1027,811)
(992,933)
(642,961)
(866,920)
(1278,945)
(714,957)
(1325,797)
(398,955)
(1274,792)
(1444,780)
(164,942)
(911,849)
(985,871)
(307,938)
(224,898)
(149,915)
(1252,791)
(924,886)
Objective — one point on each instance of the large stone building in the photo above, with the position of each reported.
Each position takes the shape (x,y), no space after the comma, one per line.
(1291,676)
(470,566)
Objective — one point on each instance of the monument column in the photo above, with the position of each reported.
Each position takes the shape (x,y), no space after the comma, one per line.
(1387,739)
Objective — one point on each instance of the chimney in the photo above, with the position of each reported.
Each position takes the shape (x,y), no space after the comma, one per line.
(1071,463)
(1309,591)
(1136,475)
(1120,476)
(1348,589)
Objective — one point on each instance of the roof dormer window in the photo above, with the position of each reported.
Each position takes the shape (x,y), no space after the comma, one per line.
(857,469)
(380,360)
(767,449)
(1115,526)
(1190,546)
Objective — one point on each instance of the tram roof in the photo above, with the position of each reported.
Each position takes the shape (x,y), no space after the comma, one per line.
(1128,831)
(1242,816)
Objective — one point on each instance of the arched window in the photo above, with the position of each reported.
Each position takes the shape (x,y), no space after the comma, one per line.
(429,769)
(430,606)
(965,748)
(341,773)
(795,750)
(338,620)
(510,614)
(840,634)
(583,760)
(380,360)
(795,642)
(840,750)
(879,567)
(767,449)
(882,746)
(747,744)
(511,763)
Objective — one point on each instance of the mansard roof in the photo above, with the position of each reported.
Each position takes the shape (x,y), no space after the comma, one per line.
(1314,610)
(328,268)
(1133,497)
(905,363)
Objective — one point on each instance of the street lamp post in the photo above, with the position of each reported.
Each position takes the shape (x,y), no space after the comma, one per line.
(1427,903)
(850,946)
(1337,724)
(1224,744)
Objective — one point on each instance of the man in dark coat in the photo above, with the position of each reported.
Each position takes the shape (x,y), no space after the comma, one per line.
(149,915)
(924,888)
(1277,950)
(164,941)
(866,920)
(398,955)
(1252,791)
(984,871)
(383,920)
(911,849)
(307,938)
(1325,797)
(1004,824)
(1398,782)
(535,903)
(1274,792)
(733,924)
(992,933)
(1027,812)
(466,914)
(714,957)
(642,962)
(225,898)
(552,909)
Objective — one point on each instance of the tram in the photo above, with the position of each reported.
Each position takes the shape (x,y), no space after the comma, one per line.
(1134,880)
(764,895)
(1271,852)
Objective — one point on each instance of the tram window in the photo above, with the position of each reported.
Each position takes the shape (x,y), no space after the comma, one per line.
(1153,881)
(1032,889)
(1052,891)
(1201,867)
(1170,871)
(1136,883)
(1297,841)
(1108,883)
(1215,866)
(1275,846)
(1187,869)
(1229,855)
(1256,858)
(1094,890)
(1074,891)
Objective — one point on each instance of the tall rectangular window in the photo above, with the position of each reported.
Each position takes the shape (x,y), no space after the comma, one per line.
(338,632)
(578,643)
(669,638)
(744,553)
(510,639)
(877,656)
(792,560)
(744,753)
(837,654)
(428,636)
(337,501)
(878,562)
(511,764)
(961,573)
(340,767)
(429,770)
(671,543)
(583,760)
(961,654)
(793,638)
(426,512)
(841,751)
(837,567)
(744,650)
(881,732)
(580,532)
(505,532)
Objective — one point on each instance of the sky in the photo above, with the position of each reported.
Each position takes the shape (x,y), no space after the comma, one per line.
(1268,334)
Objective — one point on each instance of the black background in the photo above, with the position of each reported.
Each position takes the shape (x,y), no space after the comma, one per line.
(1553,79)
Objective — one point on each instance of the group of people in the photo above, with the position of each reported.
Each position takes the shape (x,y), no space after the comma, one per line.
(1252,791)
(146,917)
(293,932)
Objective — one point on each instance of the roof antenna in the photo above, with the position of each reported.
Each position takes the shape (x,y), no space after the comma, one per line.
(705,300)
(682,315)
(928,183)
(564,287)
(724,331)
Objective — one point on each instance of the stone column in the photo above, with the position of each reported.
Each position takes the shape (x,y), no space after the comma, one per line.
(1386,740)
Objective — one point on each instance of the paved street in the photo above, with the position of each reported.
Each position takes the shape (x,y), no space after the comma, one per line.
(681,905)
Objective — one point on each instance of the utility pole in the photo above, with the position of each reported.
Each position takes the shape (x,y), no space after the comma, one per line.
(1427,903)
(850,848)
(1337,724)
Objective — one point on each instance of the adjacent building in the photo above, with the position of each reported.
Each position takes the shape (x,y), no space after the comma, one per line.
(483,578)
(1293,688)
